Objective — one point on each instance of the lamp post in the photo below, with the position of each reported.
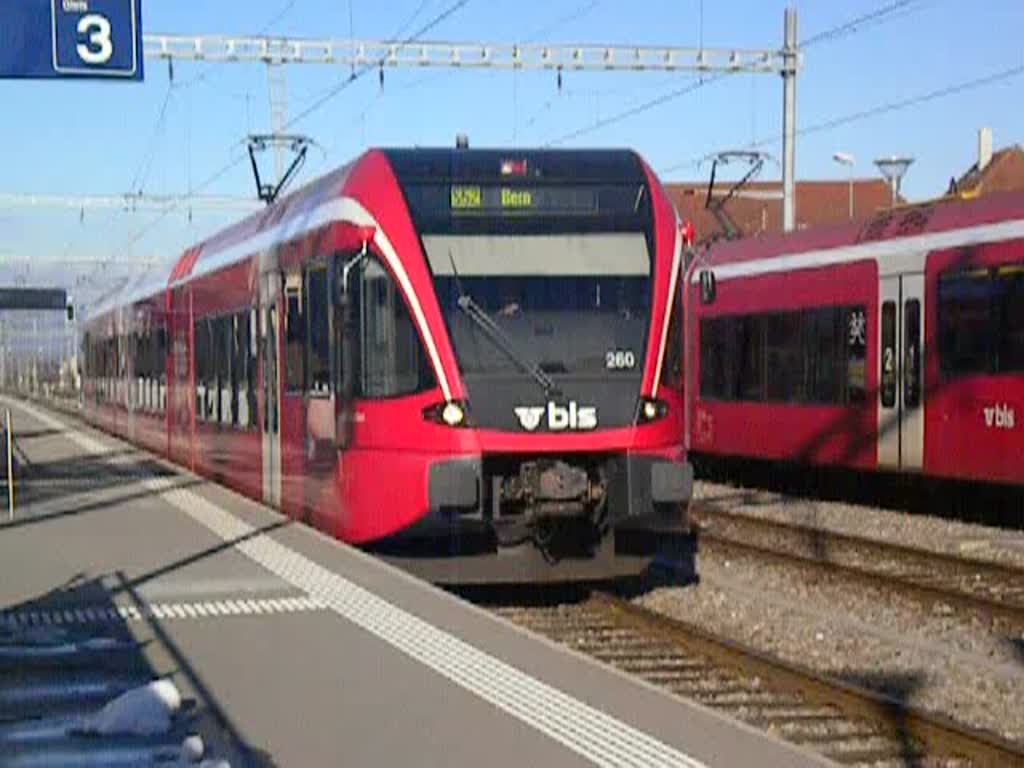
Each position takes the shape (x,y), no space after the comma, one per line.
(848,160)
(893,168)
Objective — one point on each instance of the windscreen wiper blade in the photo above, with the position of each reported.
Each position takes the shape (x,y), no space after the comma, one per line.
(500,339)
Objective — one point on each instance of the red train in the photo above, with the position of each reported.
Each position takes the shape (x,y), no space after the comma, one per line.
(470,360)
(897,345)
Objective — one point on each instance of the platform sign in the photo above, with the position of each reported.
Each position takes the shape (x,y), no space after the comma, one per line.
(71,39)
(33,298)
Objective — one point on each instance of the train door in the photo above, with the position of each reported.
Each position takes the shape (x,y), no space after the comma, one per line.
(901,363)
(270,291)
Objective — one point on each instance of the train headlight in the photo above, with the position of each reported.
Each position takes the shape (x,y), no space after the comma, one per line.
(651,410)
(451,413)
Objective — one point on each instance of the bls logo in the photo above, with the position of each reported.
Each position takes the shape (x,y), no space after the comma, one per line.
(560,417)
(999,416)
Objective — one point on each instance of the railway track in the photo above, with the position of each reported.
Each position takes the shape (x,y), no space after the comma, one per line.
(990,591)
(846,723)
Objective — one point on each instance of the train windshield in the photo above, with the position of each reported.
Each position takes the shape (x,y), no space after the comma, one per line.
(573,305)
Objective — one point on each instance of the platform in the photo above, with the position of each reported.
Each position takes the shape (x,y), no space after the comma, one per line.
(301,651)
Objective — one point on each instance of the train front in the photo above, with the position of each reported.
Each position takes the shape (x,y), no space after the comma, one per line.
(559,454)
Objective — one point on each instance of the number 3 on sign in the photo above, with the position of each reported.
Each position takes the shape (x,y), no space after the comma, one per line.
(99,47)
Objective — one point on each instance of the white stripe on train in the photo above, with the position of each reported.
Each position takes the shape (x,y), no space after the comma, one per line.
(877,249)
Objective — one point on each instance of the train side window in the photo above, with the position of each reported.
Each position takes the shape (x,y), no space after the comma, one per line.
(1011,311)
(718,358)
(319,337)
(238,372)
(673,365)
(965,322)
(206,371)
(784,357)
(856,339)
(390,358)
(294,334)
(912,353)
(224,341)
(750,338)
(889,354)
(822,347)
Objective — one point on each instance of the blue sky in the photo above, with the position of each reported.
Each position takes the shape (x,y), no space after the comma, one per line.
(90,138)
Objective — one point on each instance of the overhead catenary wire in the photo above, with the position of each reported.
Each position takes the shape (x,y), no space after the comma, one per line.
(858,23)
(266,27)
(374,65)
(875,111)
(851,26)
(135,237)
(146,163)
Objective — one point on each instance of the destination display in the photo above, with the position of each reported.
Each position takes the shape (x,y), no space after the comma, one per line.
(459,200)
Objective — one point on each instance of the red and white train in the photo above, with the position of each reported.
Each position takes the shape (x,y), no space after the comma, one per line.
(467,359)
(897,345)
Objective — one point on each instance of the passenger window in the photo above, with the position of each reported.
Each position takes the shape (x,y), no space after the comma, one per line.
(672,369)
(751,358)
(206,371)
(965,322)
(912,353)
(1011,313)
(809,356)
(223,339)
(784,358)
(390,359)
(822,349)
(294,335)
(856,355)
(889,372)
(319,344)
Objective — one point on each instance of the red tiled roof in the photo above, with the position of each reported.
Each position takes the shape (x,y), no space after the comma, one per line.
(1004,173)
(757,208)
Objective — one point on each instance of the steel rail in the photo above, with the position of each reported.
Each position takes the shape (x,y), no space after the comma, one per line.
(846,722)
(991,590)
(938,735)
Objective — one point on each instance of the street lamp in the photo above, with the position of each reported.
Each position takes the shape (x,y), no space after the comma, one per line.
(848,160)
(893,168)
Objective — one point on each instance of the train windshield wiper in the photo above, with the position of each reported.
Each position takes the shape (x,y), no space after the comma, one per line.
(498,337)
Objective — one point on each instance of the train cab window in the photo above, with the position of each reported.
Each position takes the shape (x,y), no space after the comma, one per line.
(889,371)
(319,335)
(294,334)
(390,359)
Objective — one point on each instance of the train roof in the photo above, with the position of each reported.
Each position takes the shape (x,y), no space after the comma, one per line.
(932,217)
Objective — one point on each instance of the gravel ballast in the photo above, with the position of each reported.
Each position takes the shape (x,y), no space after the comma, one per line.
(913,652)
(925,532)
